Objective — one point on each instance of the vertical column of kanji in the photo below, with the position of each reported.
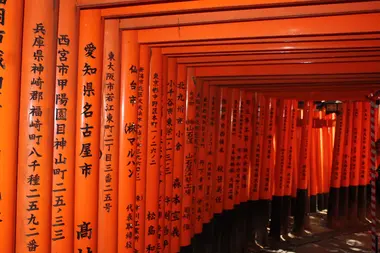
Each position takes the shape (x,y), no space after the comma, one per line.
(33,226)
(169,148)
(240,147)
(365,160)
(304,167)
(64,129)
(127,155)
(204,190)
(11,15)
(211,147)
(289,166)
(333,208)
(153,152)
(141,158)
(189,156)
(355,161)
(199,158)
(88,115)
(247,135)
(279,173)
(176,215)
(346,164)
(109,139)
(161,198)
(296,152)
(231,149)
(221,147)
(257,146)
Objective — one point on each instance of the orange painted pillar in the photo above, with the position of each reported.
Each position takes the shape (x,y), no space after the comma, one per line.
(314,179)
(240,149)
(9,110)
(141,158)
(221,149)
(200,127)
(62,219)
(35,156)
(188,166)
(257,146)
(336,172)
(129,60)
(153,152)
(346,164)
(320,157)
(303,169)
(170,147)
(87,145)
(365,161)
(282,134)
(178,182)
(211,149)
(290,168)
(247,136)
(109,140)
(232,150)
(162,177)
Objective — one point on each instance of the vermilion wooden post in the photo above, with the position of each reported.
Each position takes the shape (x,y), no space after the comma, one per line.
(303,168)
(9,112)
(336,172)
(240,147)
(355,162)
(178,182)
(109,140)
(87,145)
(170,147)
(314,188)
(162,177)
(141,163)
(320,169)
(127,154)
(211,146)
(189,156)
(200,134)
(153,152)
(247,136)
(232,150)
(62,219)
(365,160)
(267,170)
(35,155)
(279,172)
(346,164)
(290,168)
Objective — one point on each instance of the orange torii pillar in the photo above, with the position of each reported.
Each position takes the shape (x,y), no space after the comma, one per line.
(289,167)
(346,165)
(10,58)
(141,158)
(35,156)
(62,225)
(365,161)
(210,160)
(170,147)
(267,169)
(109,140)
(153,152)
(282,145)
(176,214)
(303,171)
(258,121)
(189,161)
(89,90)
(128,138)
(336,172)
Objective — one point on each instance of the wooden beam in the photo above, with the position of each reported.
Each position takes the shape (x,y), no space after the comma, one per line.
(291,69)
(317,26)
(226,16)
(311,46)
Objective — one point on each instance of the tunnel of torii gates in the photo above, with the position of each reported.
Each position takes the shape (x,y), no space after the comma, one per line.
(137,126)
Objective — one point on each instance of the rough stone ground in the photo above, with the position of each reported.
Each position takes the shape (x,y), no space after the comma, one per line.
(324,240)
